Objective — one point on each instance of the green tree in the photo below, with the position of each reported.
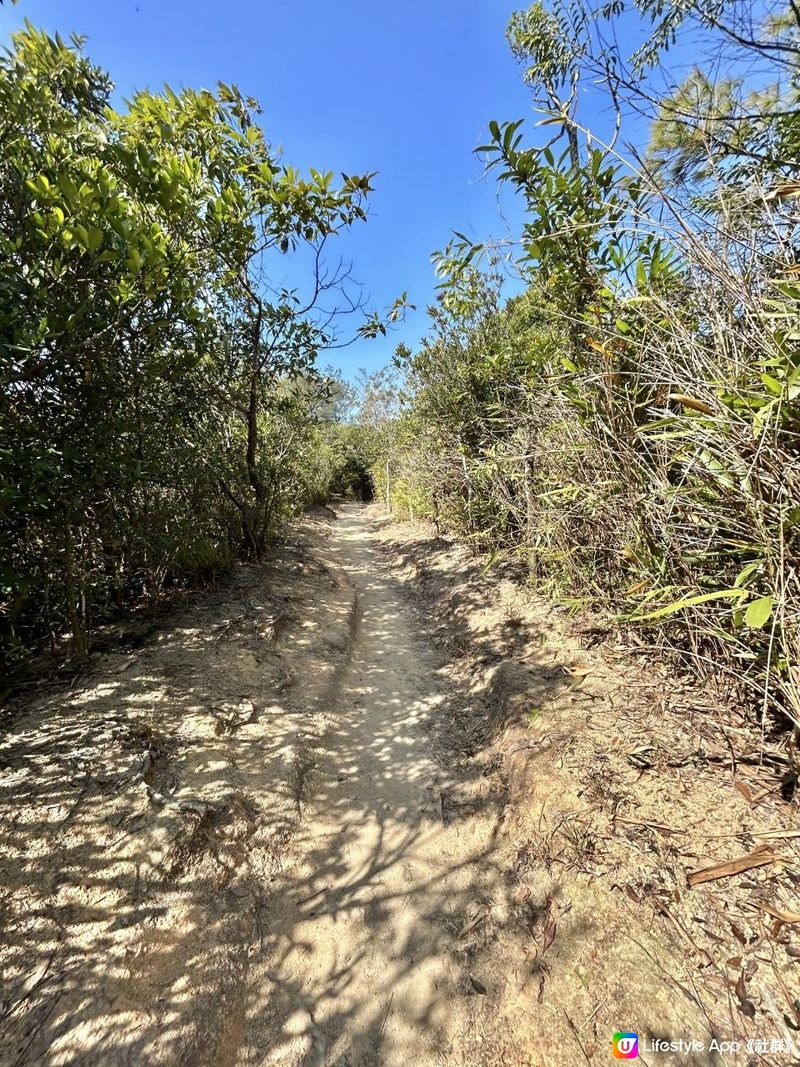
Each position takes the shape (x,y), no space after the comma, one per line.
(150,412)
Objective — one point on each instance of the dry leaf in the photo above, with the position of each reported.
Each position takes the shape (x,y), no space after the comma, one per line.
(738,933)
(692,402)
(549,935)
(746,1007)
(759,858)
(778,913)
(790,188)
(652,825)
(579,670)
(638,588)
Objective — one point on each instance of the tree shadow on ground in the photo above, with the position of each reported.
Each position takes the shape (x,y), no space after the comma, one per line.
(322,896)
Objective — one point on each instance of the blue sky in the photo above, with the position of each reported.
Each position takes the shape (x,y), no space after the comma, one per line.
(403,89)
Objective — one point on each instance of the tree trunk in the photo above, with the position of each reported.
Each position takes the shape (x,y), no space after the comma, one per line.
(252,514)
(74,614)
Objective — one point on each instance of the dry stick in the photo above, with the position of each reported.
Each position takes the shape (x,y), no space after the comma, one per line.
(589,1017)
(195,807)
(574,1029)
(684,933)
(386,1014)
(654,825)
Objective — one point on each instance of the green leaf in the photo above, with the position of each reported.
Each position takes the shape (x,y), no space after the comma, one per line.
(688,602)
(745,573)
(762,416)
(94,238)
(772,384)
(758,612)
(134,261)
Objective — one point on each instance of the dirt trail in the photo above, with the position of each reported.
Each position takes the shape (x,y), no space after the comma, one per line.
(364,930)
(248,842)
(371,806)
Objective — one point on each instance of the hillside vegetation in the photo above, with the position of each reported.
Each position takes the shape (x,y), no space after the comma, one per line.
(160,402)
(626,423)
(284,783)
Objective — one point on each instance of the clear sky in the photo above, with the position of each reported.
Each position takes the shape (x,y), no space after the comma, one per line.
(403,89)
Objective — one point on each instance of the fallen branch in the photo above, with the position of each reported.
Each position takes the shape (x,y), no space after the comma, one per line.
(520,745)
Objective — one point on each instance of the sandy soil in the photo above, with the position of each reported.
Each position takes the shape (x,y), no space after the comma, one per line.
(238,845)
(348,810)
(623,776)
